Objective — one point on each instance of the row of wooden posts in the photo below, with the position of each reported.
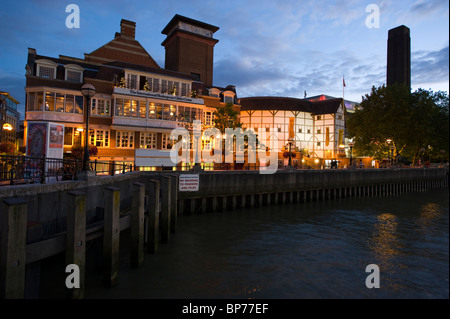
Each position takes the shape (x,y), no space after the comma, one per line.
(151,219)
(200,205)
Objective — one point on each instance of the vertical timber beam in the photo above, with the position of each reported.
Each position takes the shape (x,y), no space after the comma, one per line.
(137,225)
(13,248)
(153,215)
(76,241)
(111,237)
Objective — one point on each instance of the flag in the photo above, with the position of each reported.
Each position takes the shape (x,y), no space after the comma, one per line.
(343,81)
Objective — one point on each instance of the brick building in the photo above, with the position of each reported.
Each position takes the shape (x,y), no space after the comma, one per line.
(9,118)
(137,103)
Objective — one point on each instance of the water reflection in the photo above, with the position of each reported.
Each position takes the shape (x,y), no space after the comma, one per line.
(317,250)
(384,240)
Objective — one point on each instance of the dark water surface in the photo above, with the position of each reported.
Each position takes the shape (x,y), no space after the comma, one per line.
(292,251)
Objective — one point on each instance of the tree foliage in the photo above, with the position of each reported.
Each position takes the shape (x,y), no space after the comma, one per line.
(412,120)
(226,117)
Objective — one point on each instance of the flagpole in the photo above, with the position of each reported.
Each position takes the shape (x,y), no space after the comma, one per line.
(343,88)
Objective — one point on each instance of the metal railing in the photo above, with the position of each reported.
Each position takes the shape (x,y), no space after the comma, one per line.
(25,169)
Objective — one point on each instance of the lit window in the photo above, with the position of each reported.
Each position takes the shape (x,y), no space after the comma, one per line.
(142,109)
(59,105)
(166,142)
(99,138)
(148,140)
(151,110)
(72,136)
(49,101)
(124,139)
(100,107)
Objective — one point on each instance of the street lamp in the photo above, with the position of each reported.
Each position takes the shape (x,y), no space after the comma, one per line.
(88,91)
(392,147)
(351,144)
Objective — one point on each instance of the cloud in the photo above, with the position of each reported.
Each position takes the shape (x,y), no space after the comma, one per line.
(430,66)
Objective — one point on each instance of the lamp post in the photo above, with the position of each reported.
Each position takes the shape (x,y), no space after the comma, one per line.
(197,132)
(88,91)
(351,144)
(392,147)
(290,140)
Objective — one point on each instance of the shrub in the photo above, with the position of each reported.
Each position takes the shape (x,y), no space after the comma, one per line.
(7,147)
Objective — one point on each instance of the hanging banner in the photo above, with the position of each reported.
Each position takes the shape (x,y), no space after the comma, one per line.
(327,137)
(341,137)
(291,127)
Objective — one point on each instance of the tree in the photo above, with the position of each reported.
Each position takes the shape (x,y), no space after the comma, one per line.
(411,120)
(226,117)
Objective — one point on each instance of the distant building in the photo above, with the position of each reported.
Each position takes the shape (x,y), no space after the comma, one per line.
(137,103)
(9,118)
(349,105)
(399,56)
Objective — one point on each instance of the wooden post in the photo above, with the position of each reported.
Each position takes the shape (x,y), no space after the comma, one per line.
(173,204)
(13,248)
(111,237)
(76,241)
(153,191)
(137,225)
(166,191)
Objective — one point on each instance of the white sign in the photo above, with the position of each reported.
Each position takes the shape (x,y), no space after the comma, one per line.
(152,158)
(189,182)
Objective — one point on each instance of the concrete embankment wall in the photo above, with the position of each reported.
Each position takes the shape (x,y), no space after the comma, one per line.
(228,190)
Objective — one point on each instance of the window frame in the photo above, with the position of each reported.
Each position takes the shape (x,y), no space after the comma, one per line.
(129,139)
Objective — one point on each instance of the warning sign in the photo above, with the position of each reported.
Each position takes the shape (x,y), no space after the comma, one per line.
(189,182)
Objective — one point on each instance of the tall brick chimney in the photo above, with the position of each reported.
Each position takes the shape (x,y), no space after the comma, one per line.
(127,29)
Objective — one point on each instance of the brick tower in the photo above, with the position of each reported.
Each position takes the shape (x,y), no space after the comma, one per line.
(190,48)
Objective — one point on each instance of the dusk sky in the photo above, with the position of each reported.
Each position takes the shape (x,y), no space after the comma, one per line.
(265,48)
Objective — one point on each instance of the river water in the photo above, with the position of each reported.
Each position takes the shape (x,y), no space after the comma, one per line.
(297,251)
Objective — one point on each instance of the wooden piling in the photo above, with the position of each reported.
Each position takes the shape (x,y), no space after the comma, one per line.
(76,240)
(111,237)
(166,192)
(173,204)
(153,192)
(137,225)
(13,248)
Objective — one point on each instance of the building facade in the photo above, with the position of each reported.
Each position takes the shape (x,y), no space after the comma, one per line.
(317,128)
(137,103)
(9,118)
